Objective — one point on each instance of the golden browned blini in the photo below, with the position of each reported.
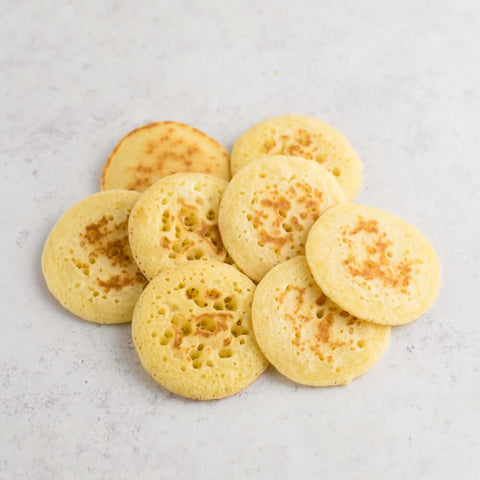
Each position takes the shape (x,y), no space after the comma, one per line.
(305,336)
(160,149)
(175,221)
(87,262)
(373,264)
(305,137)
(269,207)
(193,333)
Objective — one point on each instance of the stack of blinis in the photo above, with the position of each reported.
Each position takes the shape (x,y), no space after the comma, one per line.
(223,276)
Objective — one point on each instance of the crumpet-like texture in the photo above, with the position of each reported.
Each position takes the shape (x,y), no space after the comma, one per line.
(305,137)
(269,207)
(87,262)
(375,265)
(193,333)
(160,149)
(305,336)
(175,221)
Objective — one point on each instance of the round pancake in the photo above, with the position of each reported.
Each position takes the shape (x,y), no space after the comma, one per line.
(175,221)
(160,149)
(375,265)
(305,336)
(304,137)
(192,330)
(87,262)
(269,207)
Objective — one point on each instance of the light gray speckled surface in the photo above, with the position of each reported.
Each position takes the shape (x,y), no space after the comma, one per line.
(400,79)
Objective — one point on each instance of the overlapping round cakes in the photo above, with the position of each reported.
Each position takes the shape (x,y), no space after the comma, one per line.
(374,264)
(175,221)
(268,208)
(304,137)
(333,276)
(159,149)
(193,332)
(307,337)
(87,262)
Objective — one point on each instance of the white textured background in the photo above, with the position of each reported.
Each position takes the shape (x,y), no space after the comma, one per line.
(401,79)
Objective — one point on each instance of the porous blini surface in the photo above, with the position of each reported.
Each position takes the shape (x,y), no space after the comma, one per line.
(269,207)
(175,221)
(193,333)
(87,262)
(160,149)
(375,265)
(304,137)
(307,337)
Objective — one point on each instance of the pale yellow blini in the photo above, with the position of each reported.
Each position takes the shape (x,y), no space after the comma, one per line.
(269,207)
(304,137)
(305,336)
(160,149)
(175,221)
(193,333)
(87,262)
(373,264)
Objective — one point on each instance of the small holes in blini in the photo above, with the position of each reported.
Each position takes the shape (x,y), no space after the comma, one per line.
(230,303)
(207,323)
(225,353)
(336,171)
(360,344)
(191,292)
(320,313)
(209,363)
(194,354)
(201,303)
(238,330)
(154,334)
(186,329)
(197,364)
(166,224)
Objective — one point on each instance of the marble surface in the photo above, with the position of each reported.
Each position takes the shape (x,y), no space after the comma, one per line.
(400,79)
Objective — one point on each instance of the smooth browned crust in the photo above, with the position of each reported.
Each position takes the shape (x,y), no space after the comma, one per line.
(154,125)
